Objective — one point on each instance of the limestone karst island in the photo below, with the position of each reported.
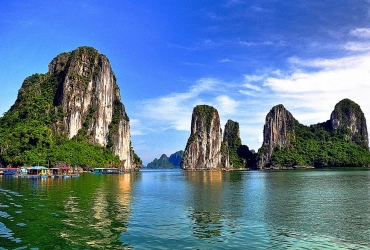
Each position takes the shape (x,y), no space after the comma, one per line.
(73,115)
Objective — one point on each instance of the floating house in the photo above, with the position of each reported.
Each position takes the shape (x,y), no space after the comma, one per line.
(62,172)
(38,171)
(11,171)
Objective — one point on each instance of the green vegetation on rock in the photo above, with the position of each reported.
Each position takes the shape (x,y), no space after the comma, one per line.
(321,145)
(318,146)
(239,155)
(28,136)
(32,132)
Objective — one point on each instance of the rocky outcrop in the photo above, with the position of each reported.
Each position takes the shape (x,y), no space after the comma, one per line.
(348,115)
(203,149)
(277,132)
(89,95)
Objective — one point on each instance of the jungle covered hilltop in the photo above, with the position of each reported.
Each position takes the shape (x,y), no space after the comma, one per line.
(341,141)
(73,114)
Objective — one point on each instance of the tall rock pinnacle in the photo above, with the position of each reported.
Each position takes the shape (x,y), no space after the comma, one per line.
(278,131)
(203,150)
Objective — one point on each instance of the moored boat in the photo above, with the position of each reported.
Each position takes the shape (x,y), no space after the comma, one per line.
(106,171)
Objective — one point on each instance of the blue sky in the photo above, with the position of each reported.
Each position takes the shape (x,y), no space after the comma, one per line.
(242,57)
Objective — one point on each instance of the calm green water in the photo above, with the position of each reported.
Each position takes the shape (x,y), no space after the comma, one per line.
(310,209)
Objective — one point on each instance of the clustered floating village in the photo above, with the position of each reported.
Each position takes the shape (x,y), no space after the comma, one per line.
(75,109)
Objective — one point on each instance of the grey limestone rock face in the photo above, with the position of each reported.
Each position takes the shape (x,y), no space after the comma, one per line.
(203,150)
(89,95)
(278,131)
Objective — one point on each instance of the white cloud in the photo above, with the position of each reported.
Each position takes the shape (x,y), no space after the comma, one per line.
(264,43)
(312,95)
(322,63)
(252,87)
(135,127)
(247,93)
(309,90)
(253,78)
(225,60)
(226,105)
(173,111)
(361,32)
(357,46)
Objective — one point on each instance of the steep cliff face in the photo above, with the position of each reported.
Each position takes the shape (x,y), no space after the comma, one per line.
(89,95)
(204,144)
(277,132)
(71,114)
(348,115)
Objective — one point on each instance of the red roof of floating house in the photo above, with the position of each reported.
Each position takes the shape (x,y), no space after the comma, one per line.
(64,168)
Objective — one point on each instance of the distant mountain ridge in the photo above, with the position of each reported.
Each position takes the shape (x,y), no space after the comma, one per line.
(165,162)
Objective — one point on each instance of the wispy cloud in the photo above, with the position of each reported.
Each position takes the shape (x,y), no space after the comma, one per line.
(359,40)
(357,46)
(361,32)
(225,60)
(173,111)
(263,43)
(252,87)
(253,78)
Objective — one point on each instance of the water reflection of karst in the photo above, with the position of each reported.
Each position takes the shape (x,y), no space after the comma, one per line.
(124,198)
(206,195)
(104,214)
